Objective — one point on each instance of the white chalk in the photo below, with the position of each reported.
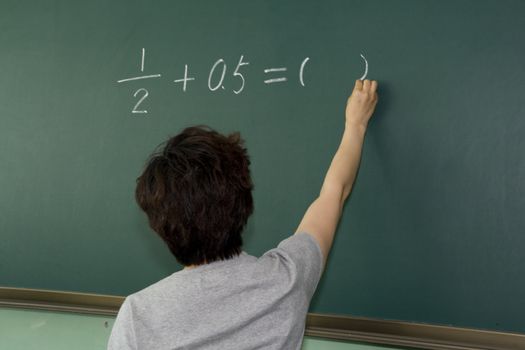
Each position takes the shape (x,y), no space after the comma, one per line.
(275,80)
(366,68)
(185,79)
(138,78)
(219,61)
(142,62)
(301,70)
(146,93)
(269,70)
(237,74)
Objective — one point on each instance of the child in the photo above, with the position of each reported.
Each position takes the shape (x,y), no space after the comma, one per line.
(196,193)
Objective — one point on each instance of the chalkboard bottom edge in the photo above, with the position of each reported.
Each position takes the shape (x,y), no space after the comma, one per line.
(333,327)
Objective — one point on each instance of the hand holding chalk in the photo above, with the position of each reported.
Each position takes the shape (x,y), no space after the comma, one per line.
(361,104)
(366,68)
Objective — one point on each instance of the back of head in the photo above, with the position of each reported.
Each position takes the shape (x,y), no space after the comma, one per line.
(197,194)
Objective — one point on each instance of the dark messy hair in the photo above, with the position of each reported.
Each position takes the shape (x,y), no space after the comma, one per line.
(197,194)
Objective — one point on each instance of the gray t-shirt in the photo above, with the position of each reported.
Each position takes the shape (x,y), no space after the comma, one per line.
(241,303)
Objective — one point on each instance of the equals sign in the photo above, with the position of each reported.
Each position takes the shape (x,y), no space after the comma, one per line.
(275,80)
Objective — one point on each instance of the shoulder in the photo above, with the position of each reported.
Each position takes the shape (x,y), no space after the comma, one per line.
(299,259)
(156,290)
(299,247)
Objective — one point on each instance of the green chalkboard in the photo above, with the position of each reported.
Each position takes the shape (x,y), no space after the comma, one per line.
(434,231)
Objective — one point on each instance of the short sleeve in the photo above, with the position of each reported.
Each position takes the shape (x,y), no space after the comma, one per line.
(123,335)
(303,251)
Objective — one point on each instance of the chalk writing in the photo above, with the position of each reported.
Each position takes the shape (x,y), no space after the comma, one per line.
(217,75)
(366,68)
(185,79)
(237,74)
(301,70)
(141,70)
(146,93)
(143,90)
(219,84)
(275,80)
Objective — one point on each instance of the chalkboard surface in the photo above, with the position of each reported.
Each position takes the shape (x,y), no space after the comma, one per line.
(434,231)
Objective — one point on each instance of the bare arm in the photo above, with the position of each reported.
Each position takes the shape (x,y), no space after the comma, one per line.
(322,217)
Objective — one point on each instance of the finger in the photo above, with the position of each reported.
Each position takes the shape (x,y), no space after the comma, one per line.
(358,85)
(366,85)
(373,86)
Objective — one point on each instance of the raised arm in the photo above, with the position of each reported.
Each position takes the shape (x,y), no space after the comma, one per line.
(322,217)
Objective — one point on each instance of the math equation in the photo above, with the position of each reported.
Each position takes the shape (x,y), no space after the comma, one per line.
(215,78)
